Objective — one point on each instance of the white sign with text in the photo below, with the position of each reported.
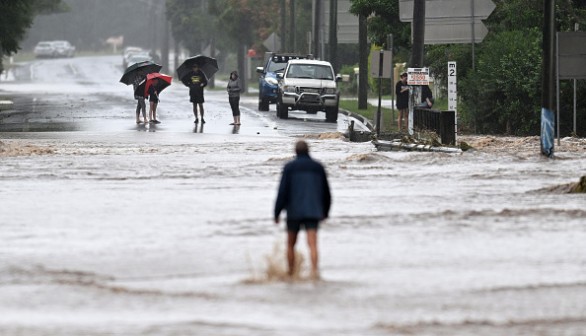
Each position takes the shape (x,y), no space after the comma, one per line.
(418,76)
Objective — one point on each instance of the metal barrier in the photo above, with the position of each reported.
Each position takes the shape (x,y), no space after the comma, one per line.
(441,122)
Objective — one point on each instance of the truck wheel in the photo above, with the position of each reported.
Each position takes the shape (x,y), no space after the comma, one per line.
(282,110)
(263,104)
(332,114)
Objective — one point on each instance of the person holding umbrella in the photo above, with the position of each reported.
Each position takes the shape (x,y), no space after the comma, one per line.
(197,82)
(234,96)
(140,101)
(154,100)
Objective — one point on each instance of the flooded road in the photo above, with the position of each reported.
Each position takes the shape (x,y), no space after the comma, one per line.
(114,229)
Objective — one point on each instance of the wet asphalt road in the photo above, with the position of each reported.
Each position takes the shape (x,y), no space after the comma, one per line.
(84,94)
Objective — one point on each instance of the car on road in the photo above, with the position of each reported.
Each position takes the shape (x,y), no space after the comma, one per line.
(128,52)
(267,81)
(44,49)
(54,49)
(63,49)
(308,85)
(136,58)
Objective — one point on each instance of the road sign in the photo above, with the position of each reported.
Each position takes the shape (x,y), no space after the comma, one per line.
(448,9)
(450,21)
(375,61)
(444,31)
(273,42)
(418,76)
(572,55)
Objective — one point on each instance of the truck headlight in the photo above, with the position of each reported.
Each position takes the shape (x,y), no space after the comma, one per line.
(289,88)
(271,81)
(330,91)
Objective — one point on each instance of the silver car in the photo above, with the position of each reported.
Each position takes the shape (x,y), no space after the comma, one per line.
(44,49)
(63,49)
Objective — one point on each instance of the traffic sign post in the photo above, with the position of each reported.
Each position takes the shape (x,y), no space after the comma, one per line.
(380,67)
(415,77)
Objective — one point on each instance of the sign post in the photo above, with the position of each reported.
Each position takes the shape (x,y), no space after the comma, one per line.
(415,77)
(380,67)
(453,93)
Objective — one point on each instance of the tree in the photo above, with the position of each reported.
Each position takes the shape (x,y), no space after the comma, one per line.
(17,17)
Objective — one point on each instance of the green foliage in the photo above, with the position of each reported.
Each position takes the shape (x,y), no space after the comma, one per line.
(17,17)
(503,95)
(384,20)
(191,23)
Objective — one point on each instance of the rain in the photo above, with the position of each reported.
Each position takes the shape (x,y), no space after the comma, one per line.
(109,227)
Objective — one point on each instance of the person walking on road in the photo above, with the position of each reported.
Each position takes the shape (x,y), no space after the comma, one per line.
(154,100)
(140,101)
(234,96)
(197,83)
(304,193)
(402,94)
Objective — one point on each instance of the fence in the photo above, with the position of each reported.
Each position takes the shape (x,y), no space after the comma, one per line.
(441,122)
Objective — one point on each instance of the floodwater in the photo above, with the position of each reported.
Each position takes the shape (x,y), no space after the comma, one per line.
(127,232)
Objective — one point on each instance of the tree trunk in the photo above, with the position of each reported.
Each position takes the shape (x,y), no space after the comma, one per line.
(363,63)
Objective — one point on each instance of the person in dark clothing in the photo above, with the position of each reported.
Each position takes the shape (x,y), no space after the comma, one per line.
(140,103)
(198,81)
(402,101)
(426,97)
(234,96)
(304,193)
(154,100)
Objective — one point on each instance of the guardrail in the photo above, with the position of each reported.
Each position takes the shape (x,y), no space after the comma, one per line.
(441,122)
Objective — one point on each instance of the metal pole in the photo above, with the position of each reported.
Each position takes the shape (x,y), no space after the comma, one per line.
(292,32)
(380,91)
(575,107)
(390,47)
(283,25)
(548,80)
(316,28)
(473,36)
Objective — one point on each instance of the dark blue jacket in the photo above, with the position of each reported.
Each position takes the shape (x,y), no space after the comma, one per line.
(304,190)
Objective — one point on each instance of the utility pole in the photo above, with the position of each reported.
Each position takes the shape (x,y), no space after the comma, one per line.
(333,38)
(418,33)
(292,32)
(316,28)
(165,40)
(362,63)
(283,25)
(548,81)
(418,29)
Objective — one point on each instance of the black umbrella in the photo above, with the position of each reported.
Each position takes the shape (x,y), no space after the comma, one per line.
(207,65)
(140,70)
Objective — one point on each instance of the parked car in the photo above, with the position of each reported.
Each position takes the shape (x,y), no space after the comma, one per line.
(136,58)
(63,49)
(44,49)
(127,53)
(308,85)
(267,81)
(54,49)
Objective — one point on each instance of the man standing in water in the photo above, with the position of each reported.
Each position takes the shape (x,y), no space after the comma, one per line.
(305,193)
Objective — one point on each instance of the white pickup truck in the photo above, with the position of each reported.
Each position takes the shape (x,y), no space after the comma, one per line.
(308,85)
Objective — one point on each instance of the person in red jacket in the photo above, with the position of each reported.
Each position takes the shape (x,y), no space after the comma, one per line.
(305,193)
